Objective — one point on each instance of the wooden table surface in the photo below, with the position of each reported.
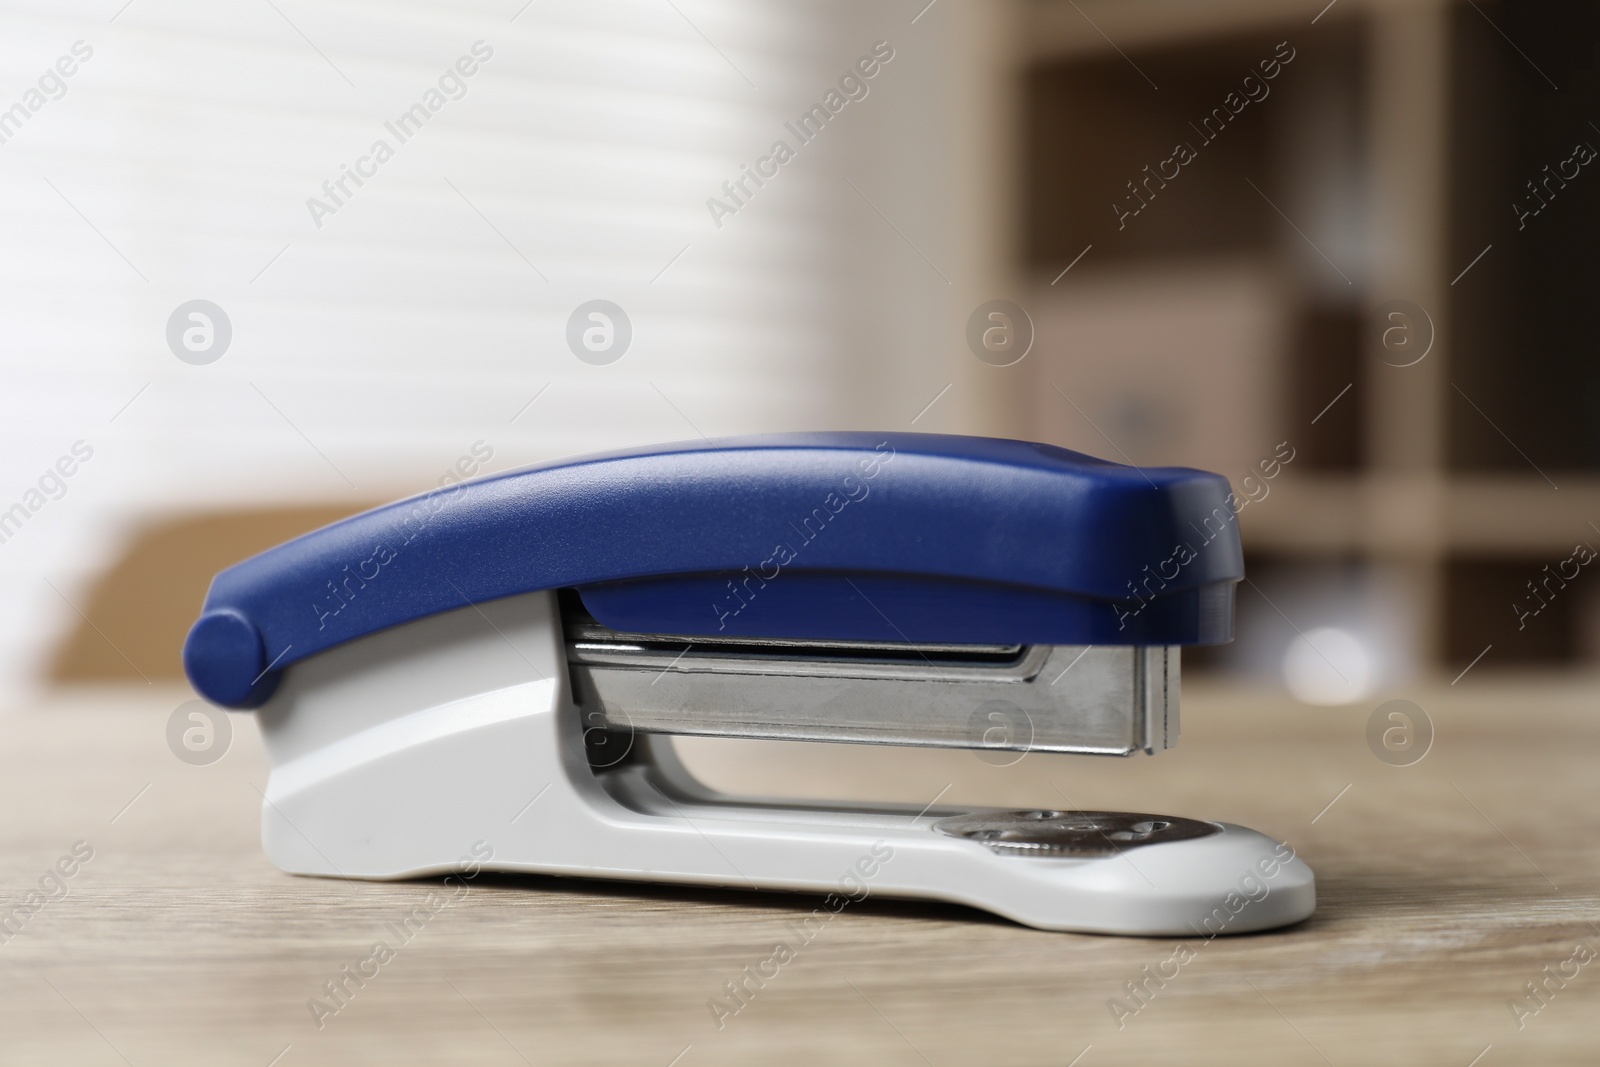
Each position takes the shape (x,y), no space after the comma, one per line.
(1444,888)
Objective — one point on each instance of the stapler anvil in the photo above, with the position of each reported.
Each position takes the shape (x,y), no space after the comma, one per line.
(498,667)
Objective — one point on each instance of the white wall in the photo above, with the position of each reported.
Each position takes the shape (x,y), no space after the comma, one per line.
(377,348)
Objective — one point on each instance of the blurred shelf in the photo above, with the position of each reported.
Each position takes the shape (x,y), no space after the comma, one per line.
(1424,516)
(1057,29)
(1376,174)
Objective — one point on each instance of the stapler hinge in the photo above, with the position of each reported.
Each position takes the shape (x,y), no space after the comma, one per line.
(1106,700)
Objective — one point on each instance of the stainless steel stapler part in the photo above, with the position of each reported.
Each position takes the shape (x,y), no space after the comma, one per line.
(1099,700)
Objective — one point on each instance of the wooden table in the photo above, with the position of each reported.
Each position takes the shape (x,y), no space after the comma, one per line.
(1444,887)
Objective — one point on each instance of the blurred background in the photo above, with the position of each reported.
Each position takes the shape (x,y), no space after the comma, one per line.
(1344,257)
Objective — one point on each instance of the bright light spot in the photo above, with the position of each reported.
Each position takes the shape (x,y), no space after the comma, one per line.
(1328,666)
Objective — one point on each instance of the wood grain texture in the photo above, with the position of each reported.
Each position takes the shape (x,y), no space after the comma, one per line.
(1444,887)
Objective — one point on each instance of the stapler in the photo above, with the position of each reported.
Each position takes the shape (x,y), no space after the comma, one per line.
(496,669)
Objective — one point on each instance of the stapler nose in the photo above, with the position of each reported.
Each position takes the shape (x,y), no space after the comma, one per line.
(543,633)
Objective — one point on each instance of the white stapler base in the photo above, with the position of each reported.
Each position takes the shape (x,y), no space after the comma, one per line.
(453,737)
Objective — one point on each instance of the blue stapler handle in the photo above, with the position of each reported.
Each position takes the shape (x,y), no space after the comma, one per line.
(898,537)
